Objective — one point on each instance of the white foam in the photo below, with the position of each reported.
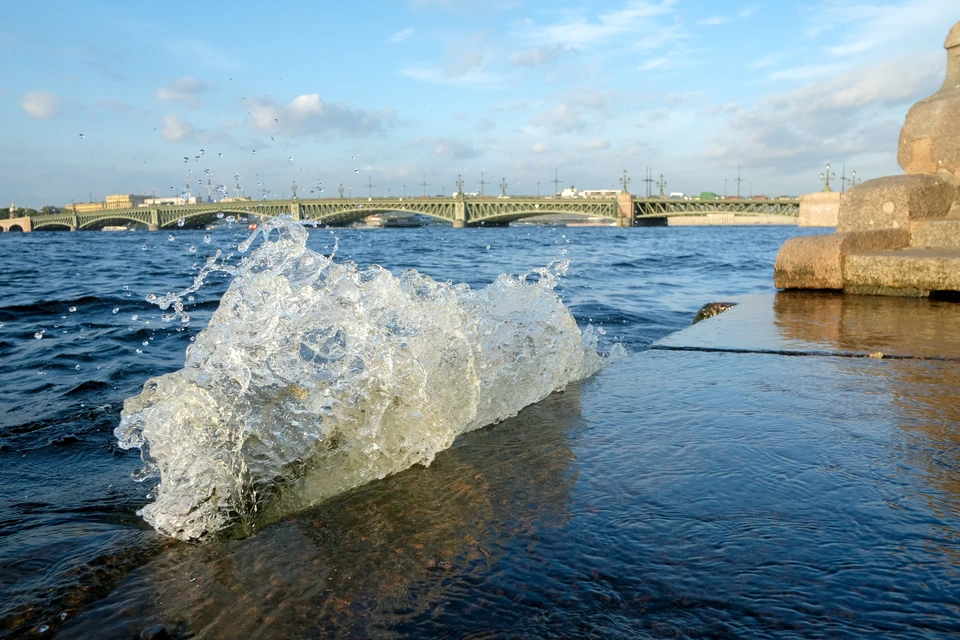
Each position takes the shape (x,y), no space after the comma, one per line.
(314,377)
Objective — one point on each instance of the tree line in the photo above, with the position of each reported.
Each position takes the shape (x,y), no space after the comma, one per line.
(20,212)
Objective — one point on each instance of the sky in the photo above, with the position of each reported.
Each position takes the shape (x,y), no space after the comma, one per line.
(99,98)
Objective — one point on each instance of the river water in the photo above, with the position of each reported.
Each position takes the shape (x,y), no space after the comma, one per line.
(627,506)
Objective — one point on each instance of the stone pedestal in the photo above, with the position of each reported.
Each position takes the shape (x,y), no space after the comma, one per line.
(819,209)
(898,235)
(459,224)
(153,227)
(891,203)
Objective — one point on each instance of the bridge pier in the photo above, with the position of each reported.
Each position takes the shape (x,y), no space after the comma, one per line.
(295,210)
(459,213)
(624,209)
(154,224)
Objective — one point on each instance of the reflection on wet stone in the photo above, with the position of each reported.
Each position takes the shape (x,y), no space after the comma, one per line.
(368,561)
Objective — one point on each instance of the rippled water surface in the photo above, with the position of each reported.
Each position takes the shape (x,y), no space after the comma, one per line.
(633,504)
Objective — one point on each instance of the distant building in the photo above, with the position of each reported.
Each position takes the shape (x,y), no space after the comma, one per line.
(599,193)
(572,192)
(173,201)
(85,207)
(124,201)
(238,199)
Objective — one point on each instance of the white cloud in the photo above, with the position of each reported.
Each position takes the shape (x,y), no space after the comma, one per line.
(579,32)
(807,72)
(537,56)
(573,113)
(309,115)
(873,27)
(403,34)
(475,78)
(540,147)
(713,21)
(187,90)
(858,111)
(176,129)
(596,145)
(444,148)
(40,104)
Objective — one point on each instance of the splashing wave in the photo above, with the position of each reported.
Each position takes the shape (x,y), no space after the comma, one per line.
(314,377)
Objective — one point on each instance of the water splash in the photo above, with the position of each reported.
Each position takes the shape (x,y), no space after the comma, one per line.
(314,377)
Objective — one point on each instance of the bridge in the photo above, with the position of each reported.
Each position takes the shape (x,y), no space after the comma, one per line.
(460,210)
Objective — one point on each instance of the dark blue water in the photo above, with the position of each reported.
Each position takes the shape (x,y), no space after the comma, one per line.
(630,505)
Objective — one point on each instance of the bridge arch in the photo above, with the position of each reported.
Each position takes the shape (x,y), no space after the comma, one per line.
(520,214)
(111,220)
(14,227)
(355,213)
(52,226)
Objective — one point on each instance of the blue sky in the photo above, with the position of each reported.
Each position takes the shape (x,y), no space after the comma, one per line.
(339,92)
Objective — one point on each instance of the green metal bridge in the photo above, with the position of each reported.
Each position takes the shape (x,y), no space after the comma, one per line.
(461,211)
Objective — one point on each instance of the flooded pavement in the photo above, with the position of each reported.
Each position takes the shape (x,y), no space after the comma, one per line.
(746,477)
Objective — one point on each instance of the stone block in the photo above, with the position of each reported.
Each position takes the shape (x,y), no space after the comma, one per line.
(935,233)
(930,138)
(908,272)
(817,262)
(890,203)
(819,209)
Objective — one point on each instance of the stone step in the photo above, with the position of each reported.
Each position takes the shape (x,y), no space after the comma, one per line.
(904,272)
(935,233)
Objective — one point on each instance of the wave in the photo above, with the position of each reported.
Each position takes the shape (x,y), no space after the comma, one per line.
(314,377)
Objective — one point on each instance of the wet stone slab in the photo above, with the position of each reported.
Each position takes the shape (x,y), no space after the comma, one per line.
(714,492)
(811,323)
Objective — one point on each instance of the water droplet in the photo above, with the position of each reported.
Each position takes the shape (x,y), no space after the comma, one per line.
(44,628)
(220,216)
(353,157)
(290,158)
(63,616)
(202,152)
(356,170)
(77,368)
(181,222)
(206,238)
(230,218)
(134,317)
(190,298)
(236,176)
(126,287)
(193,249)
(139,350)
(146,343)
(271,139)
(488,247)
(72,309)
(219,155)
(39,334)
(81,136)
(186,159)
(116,309)
(254,150)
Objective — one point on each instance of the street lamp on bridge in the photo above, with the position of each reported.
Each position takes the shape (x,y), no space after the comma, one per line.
(662,185)
(341,191)
(503,187)
(459,185)
(826,177)
(625,180)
